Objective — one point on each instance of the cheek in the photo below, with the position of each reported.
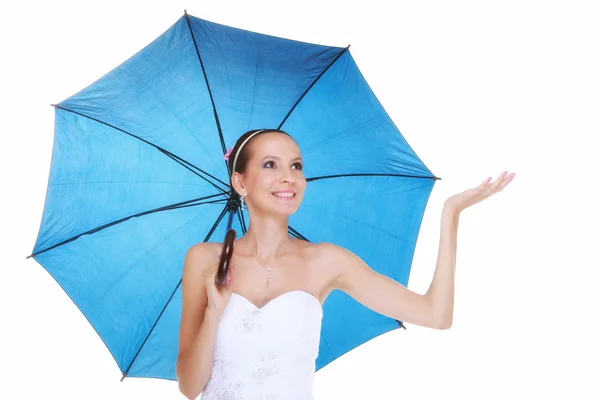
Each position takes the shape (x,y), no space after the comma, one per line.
(267,181)
(301,183)
(301,189)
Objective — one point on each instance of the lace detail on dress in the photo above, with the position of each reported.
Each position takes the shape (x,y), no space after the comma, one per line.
(266,353)
(230,391)
(250,321)
(217,386)
(267,367)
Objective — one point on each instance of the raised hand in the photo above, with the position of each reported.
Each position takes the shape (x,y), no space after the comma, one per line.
(469,197)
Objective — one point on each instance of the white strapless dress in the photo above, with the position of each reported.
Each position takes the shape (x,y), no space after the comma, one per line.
(266,353)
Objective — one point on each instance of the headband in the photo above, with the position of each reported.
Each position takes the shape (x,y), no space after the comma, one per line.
(226,156)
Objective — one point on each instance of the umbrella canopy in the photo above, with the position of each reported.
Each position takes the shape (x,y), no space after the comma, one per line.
(137,177)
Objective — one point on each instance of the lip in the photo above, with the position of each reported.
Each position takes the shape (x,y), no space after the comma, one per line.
(293,192)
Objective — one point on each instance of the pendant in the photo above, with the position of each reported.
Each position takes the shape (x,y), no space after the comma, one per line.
(268,277)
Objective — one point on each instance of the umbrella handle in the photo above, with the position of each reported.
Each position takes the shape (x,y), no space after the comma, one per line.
(225,258)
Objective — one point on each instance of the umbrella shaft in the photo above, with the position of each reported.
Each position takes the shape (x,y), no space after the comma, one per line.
(232,212)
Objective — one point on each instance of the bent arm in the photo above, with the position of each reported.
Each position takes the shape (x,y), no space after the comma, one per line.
(388,297)
(198,327)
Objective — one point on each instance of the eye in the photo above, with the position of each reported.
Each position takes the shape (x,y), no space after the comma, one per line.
(268,164)
(298,166)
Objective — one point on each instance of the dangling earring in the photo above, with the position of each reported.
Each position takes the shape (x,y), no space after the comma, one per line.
(242,205)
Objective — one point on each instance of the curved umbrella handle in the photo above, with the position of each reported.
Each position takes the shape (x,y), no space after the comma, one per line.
(225,258)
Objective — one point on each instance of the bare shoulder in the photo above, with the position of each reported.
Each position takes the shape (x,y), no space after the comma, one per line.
(203,252)
(329,252)
(313,253)
(198,257)
(330,259)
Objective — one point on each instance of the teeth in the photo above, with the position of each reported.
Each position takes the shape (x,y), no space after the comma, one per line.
(287,195)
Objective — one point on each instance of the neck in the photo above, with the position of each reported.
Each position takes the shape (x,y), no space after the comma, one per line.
(267,236)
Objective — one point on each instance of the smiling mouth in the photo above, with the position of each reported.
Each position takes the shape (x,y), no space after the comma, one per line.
(284,196)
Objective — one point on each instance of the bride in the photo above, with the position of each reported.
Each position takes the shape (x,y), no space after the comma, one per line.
(257,337)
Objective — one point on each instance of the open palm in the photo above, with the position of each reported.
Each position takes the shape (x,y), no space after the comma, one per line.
(466,199)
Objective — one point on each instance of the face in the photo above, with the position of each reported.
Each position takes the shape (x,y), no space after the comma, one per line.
(273,179)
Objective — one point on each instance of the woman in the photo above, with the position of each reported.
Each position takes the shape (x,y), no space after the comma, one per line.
(240,341)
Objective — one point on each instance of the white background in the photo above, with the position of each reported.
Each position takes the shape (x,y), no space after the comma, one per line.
(476,88)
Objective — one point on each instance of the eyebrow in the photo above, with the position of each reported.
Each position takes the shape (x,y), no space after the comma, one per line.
(277,158)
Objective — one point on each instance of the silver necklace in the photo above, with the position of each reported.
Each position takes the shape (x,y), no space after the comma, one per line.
(263,265)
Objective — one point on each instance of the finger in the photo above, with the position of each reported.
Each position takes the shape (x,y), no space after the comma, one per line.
(495,186)
(211,272)
(230,274)
(484,188)
(500,179)
(509,178)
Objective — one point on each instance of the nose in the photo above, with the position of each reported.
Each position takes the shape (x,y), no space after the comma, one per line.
(286,176)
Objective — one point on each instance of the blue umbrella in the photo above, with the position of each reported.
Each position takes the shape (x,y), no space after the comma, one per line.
(137,177)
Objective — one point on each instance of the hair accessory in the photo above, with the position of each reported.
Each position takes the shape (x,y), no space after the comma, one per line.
(237,153)
(226,156)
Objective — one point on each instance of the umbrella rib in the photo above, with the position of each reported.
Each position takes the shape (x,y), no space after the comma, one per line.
(317,178)
(220,201)
(181,160)
(175,158)
(312,84)
(297,234)
(206,239)
(212,100)
(164,208)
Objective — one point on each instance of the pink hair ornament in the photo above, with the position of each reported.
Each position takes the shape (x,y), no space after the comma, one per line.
(226,156)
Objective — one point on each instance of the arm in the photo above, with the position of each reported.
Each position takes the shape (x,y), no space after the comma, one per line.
(441,290)
(390,298)
(434,309)
(198,327)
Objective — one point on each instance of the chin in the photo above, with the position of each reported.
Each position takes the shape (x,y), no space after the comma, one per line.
(290,210)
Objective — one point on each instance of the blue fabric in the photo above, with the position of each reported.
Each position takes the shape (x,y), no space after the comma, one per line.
(144,137)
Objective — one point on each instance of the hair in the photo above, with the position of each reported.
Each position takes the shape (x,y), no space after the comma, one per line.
(244,157)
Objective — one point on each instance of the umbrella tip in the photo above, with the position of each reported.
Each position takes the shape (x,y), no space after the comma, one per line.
(123,377)
(53,105)
(185,12)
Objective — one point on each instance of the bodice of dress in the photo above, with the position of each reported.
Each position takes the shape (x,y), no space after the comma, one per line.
(266,353)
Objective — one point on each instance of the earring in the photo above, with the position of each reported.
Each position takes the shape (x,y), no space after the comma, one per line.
(242,205)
